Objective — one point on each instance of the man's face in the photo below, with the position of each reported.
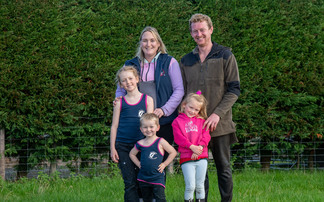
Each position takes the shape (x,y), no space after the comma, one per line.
(201,33)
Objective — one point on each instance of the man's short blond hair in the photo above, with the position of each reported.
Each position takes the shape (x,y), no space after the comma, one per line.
(149,117)
(198,17)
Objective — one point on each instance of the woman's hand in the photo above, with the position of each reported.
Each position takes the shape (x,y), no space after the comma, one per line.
(116,100)
(159,112)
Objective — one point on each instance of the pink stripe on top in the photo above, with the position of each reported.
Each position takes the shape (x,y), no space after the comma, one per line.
(151,182)
(158,139)
(135,103)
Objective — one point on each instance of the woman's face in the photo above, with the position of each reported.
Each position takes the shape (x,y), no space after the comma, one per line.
(149,45)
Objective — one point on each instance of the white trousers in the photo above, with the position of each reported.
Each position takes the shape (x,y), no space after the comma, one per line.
(194,174)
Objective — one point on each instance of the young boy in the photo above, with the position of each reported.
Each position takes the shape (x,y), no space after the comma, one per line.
(151,175)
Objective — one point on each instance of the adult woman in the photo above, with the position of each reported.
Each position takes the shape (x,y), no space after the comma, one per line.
(160,77)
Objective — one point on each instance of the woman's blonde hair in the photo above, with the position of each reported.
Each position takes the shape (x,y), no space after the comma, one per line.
(162,48)
(199,98)
(198,17)
(124,69)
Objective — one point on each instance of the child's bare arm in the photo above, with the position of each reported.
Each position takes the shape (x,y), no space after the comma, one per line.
(172,154)
(133,157)
(113,133)
(150,105)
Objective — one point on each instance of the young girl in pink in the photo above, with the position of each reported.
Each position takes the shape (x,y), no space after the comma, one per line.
(192,140)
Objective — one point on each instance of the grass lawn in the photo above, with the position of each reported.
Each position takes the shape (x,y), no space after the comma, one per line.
(248,186)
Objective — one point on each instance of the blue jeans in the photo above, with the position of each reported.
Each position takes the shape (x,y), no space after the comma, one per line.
(194,174)
(151,191)
(129,172)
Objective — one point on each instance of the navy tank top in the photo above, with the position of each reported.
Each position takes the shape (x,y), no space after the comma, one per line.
(129,120)
(151,158)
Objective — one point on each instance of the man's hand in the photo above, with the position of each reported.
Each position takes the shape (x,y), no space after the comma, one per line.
(211,122)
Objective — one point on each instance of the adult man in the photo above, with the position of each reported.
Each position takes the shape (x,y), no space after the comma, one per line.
(212,68)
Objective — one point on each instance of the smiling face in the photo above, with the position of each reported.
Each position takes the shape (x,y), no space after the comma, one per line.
(192,108)
(201,33)
(149,128)
(128,80)
(149,45)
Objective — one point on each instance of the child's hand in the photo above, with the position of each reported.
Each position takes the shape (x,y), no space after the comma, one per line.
(161,167)
(114,155)
(196,149)
(201,147)
(194,156)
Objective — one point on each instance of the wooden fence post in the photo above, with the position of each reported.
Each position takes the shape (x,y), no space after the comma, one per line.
(2,156)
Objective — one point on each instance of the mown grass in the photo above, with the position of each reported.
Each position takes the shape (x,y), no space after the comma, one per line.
(249,185)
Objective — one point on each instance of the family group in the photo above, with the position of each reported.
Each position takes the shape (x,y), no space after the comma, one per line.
(161,105)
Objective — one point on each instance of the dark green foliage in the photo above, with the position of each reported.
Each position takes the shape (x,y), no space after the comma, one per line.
(58,61)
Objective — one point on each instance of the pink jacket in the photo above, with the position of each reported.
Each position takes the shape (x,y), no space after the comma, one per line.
(188,131)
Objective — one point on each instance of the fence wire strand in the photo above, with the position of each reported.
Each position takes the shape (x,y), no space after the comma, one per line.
(94,158)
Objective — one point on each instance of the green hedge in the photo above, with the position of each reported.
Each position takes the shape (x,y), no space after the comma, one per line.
(59,58)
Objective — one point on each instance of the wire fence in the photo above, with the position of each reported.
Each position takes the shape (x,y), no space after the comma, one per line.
(71,156)
(283,155)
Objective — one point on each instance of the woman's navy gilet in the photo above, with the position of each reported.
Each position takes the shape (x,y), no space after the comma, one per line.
(162,81)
